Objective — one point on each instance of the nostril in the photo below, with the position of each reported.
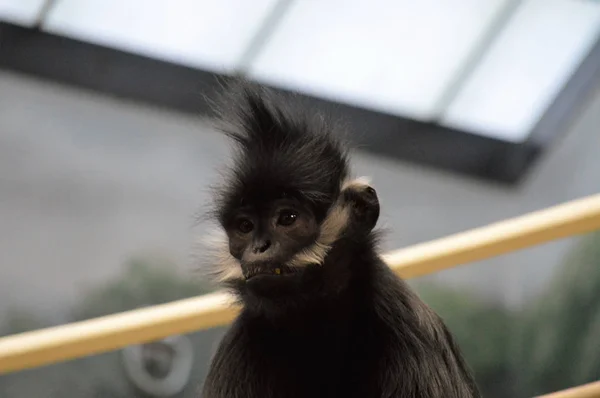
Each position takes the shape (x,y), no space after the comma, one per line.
(261,248)
(265,246)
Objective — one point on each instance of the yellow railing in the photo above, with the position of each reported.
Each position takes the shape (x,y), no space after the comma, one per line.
(51,345)
(591,390)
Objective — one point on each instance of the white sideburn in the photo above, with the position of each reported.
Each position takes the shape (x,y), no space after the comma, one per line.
(227,267)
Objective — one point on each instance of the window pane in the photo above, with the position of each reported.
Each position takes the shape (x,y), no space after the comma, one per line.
(526,67)
(396,57)
(21,12)
(207,33)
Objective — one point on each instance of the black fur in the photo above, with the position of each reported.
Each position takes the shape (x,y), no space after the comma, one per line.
(352,328)
(365,210)
(277,150)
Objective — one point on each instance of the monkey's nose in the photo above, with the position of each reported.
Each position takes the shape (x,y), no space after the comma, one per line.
(262,247)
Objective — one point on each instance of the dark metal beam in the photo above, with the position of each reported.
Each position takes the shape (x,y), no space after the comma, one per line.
(135,77)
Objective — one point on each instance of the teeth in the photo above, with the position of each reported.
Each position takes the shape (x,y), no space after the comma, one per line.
(256,271)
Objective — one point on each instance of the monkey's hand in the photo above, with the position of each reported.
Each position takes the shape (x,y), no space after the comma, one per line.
(364,203)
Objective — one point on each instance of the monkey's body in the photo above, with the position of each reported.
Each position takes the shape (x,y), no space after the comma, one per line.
(322,315)
(376,340)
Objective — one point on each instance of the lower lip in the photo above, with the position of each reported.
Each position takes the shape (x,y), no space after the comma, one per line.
(267,276)
(261,279)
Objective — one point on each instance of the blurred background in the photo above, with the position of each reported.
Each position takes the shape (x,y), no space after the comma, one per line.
(464,112)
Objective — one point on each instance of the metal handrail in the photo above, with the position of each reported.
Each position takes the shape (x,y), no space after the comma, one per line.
(591,390)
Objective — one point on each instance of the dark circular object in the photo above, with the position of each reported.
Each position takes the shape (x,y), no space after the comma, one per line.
(161,368)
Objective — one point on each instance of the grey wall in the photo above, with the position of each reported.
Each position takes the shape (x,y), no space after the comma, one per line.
(87,181)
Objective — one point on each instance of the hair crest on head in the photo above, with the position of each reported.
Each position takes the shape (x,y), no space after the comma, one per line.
(277,150)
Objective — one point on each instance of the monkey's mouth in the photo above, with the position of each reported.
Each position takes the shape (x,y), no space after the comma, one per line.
(252,271)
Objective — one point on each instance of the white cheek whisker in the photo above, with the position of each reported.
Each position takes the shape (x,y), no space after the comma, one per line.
(221,265)
(331,229)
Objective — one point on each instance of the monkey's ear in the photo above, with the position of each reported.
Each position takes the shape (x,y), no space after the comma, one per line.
(214,260)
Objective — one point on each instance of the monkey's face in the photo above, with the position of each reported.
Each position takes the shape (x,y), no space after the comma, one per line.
(286,247)
(265,237)
(281,242)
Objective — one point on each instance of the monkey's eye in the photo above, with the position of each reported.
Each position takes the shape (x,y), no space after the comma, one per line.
(287,217)
(245,226)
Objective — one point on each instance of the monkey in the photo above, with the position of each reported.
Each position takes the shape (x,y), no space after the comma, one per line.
(322,315)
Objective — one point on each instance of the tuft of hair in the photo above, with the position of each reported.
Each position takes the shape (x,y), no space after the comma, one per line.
(279,148)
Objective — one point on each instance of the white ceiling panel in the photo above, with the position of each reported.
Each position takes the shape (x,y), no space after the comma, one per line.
(392,56)
(395,56)
(525,68)
(20,12)
(211,34)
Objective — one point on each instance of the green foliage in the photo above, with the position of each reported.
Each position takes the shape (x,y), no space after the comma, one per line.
(560,339)
(552,344)
(145,281)
(482,330)
(19,321)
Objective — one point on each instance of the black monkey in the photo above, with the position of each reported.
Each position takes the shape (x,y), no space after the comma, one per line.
(323,315)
